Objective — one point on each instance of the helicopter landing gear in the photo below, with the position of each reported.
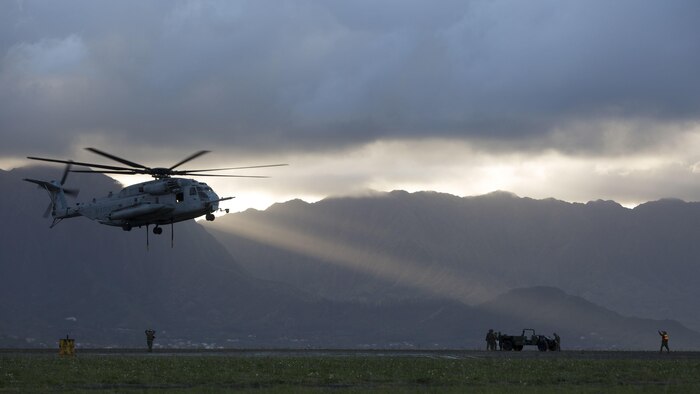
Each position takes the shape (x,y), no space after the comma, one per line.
(210,217)
(156,230)
(126,227)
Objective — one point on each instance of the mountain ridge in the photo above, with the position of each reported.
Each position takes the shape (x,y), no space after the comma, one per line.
(599,250)
(102,286)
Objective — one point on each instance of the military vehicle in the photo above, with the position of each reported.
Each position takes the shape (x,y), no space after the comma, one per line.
(527,338)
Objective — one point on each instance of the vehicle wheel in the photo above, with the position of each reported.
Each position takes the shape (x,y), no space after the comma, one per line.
(157,230)
(507,346)
(210,217)
(519,348)
(542,345)
(126,227)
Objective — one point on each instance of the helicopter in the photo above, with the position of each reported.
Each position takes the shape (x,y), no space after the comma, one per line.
(165,200)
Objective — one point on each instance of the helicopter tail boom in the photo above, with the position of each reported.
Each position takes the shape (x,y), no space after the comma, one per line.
(58,207)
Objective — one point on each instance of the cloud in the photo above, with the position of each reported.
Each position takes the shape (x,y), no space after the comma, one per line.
(464,169)
(313,75)
(337,81)
(42,83)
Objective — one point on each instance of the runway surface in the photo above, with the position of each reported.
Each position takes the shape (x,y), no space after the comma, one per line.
(443,354)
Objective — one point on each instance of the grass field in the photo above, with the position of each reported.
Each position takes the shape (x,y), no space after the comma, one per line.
(356,373)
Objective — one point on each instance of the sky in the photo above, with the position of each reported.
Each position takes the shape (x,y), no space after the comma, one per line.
(576,100)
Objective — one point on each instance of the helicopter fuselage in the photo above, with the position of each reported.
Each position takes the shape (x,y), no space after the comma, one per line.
(166,200)
(158,202)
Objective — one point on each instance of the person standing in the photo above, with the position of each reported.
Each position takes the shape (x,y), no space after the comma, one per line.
(150,336)
(490,340)
(557,342)
(664,341)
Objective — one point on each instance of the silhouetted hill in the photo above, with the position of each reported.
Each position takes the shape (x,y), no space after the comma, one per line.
(398,245)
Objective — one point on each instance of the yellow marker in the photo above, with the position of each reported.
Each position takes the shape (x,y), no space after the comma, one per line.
(66,346)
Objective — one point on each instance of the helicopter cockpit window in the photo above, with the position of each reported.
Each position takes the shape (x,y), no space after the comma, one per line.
(193,191)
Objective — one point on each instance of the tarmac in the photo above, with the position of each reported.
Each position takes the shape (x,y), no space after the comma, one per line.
(456,354)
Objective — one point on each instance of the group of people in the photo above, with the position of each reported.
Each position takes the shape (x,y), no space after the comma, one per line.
(493,339)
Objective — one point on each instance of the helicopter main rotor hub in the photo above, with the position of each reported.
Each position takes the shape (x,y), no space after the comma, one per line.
(160,172)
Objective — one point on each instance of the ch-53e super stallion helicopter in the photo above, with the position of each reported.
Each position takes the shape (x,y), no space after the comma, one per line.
(165,200)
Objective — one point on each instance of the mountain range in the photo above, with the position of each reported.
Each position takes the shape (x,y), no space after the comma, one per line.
(640,262)
(102,286)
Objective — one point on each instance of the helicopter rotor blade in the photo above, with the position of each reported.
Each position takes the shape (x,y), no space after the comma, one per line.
(130,172)
(81,164)
(116,158)
(191,157)
(65,173)
(158,173)
(48,210)
(233,168)
(227,176)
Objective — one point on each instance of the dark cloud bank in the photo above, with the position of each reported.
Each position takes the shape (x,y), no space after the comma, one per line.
(276,75)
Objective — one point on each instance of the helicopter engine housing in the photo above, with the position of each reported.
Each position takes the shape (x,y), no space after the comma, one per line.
(156,188)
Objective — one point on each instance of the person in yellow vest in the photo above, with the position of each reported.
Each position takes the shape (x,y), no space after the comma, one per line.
(150,336)
(664,341)
(66,347)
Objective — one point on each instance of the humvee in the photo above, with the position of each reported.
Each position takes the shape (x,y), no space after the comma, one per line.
(527,338)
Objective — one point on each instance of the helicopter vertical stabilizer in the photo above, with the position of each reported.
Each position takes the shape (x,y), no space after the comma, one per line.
(58,207)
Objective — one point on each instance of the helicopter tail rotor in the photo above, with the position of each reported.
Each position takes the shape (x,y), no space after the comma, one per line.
(57,193)
(68,192)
